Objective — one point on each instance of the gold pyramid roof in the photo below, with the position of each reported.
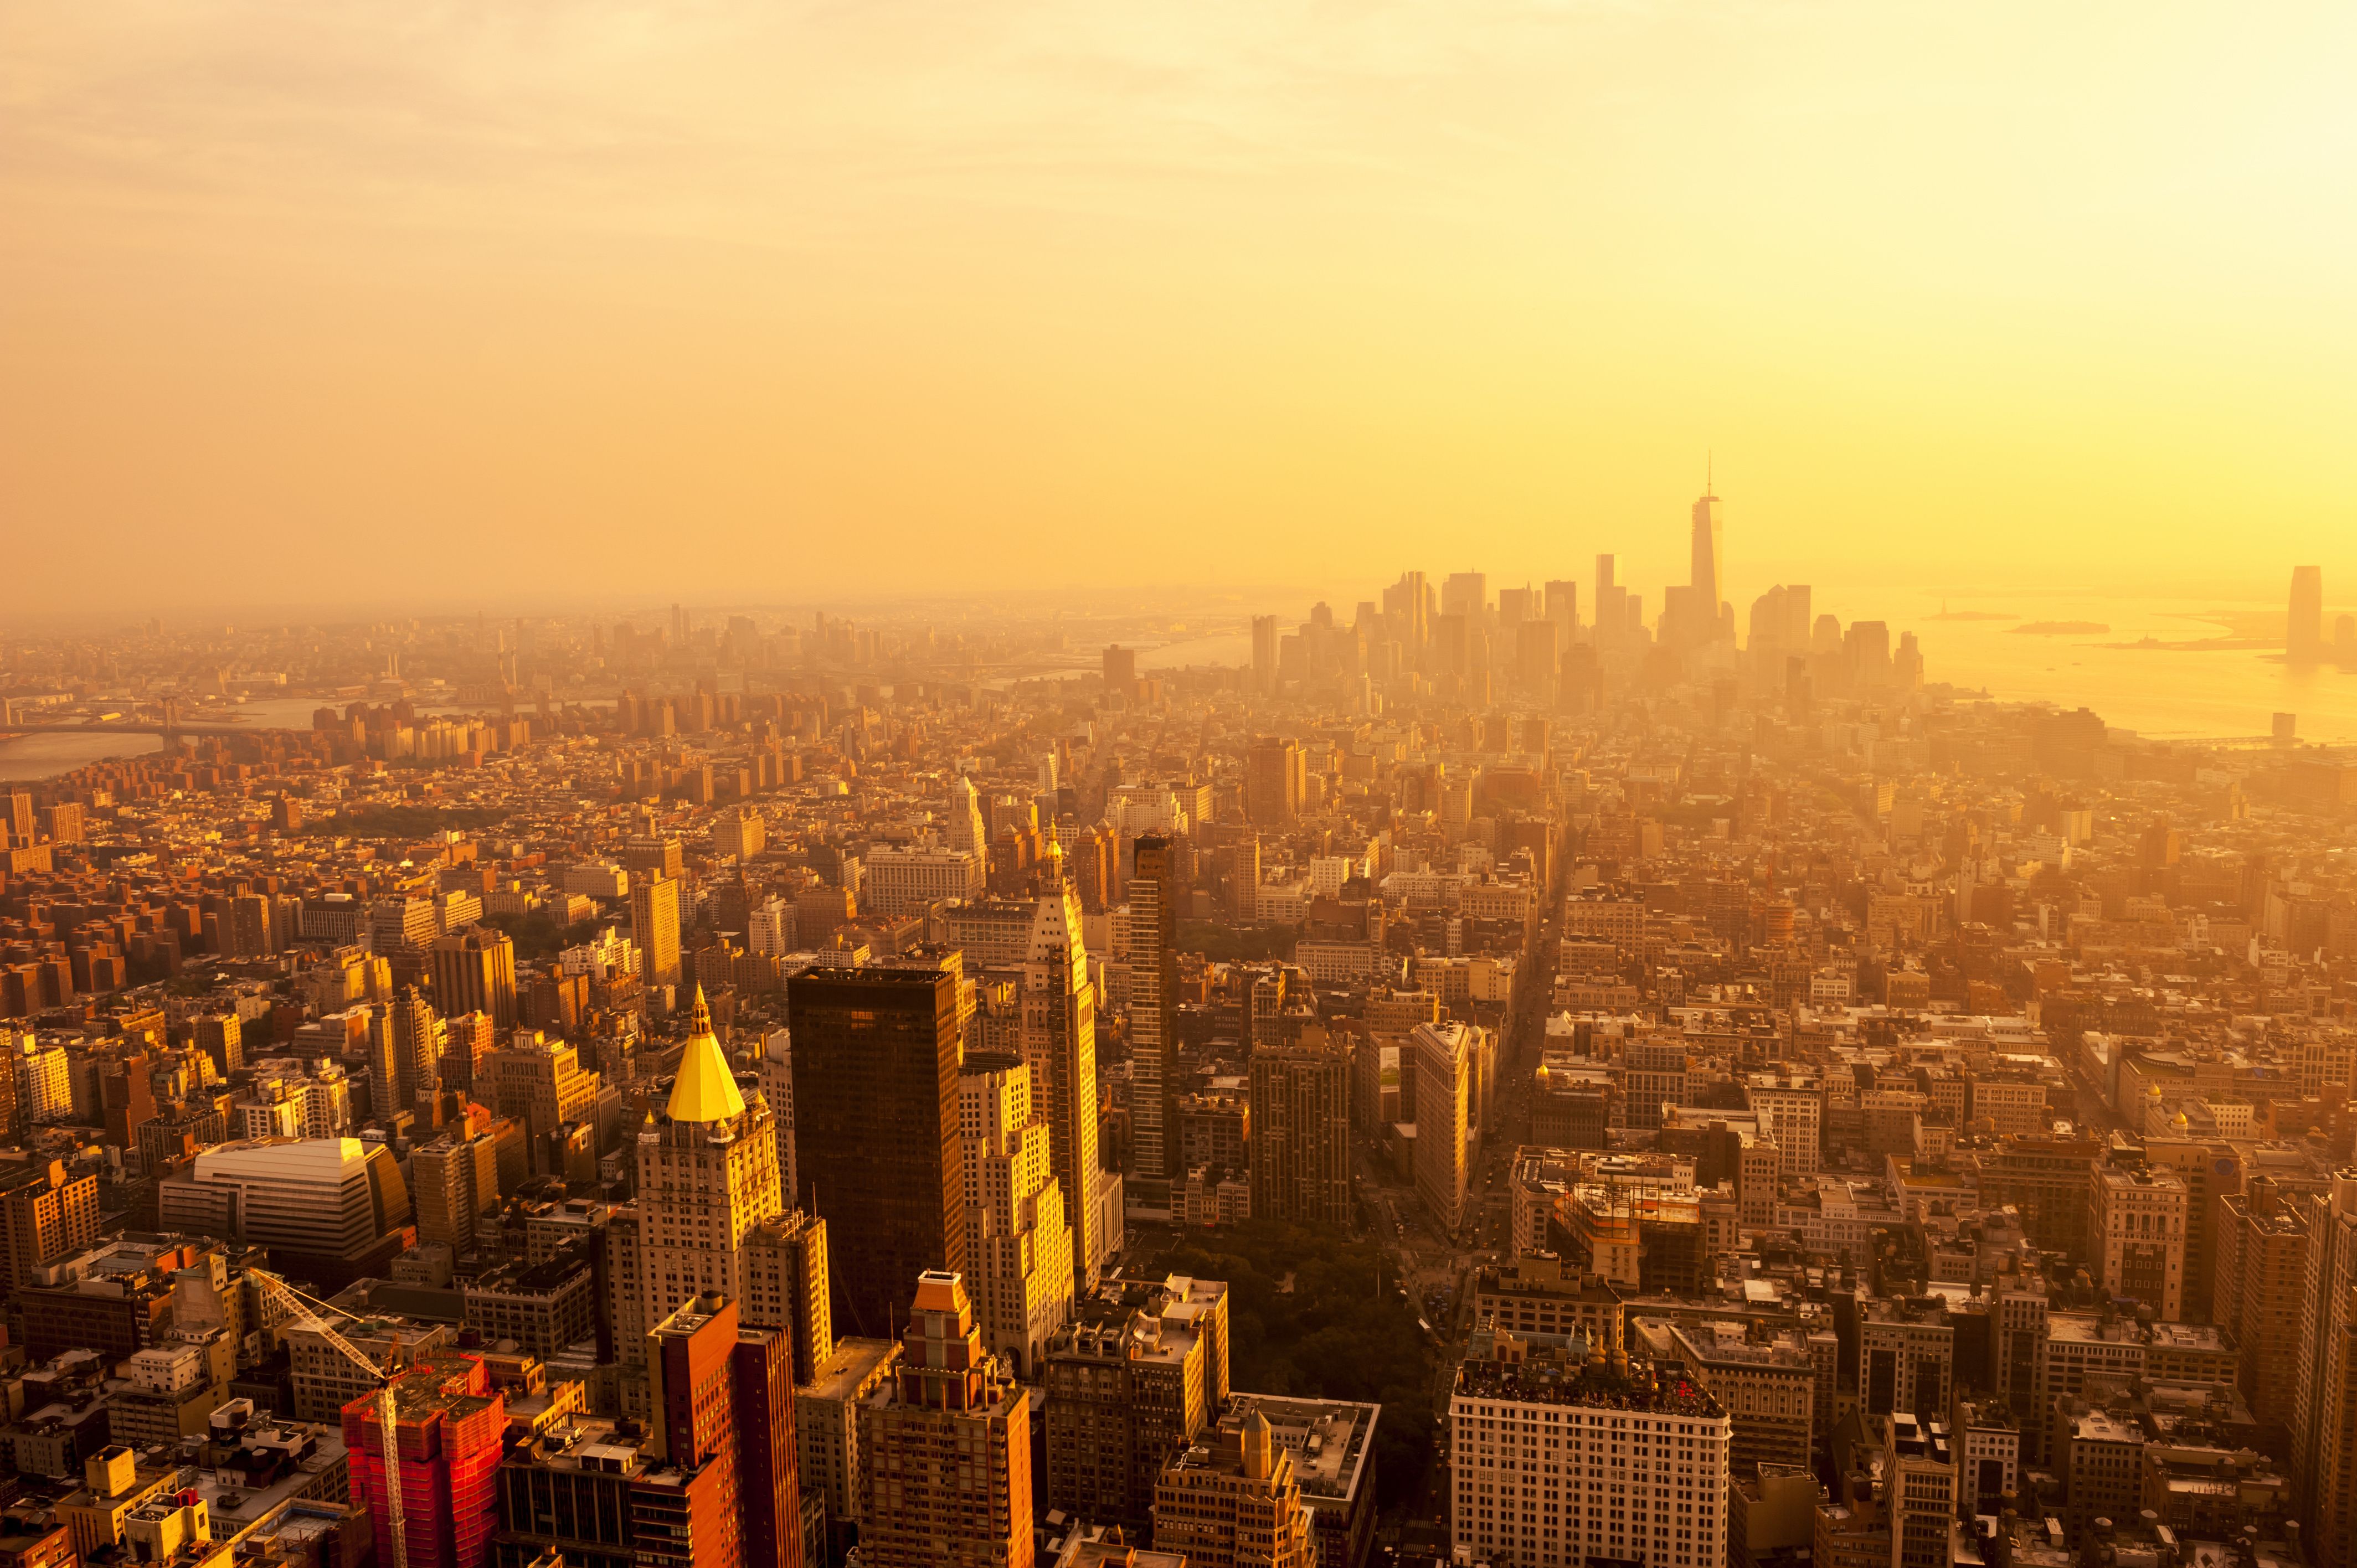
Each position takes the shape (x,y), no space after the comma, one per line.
(706,1089)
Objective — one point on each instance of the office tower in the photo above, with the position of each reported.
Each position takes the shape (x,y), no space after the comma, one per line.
(1301,1130)
(1708,578)
(1152,1006)
(1407,615)
(453,1181)
(727,1491)
(474,971)
(1274,778)
(2261,1262)
(654,925)
(966,833)
(1611,606)
(2324,1397)
(706,1176)
(1466,594)
(250,925)
(1563,605)
(1234,1502)
(329,1210)
(1515,605)
(1918,1469)
(401,925)
(541,1084)
(1059,1041)
(2304,639)
(221,1036)
(875,1129)
(1263,653)
(945,1446)
(45,1215)
(1134,1380)
(788,1284)
(1535,657)
(740,832)
(447,1425)
(1120,669)
(1442,1087)
(1018,1244)
(1532,1424)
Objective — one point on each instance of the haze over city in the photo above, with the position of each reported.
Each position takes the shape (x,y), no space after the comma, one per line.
(581,300)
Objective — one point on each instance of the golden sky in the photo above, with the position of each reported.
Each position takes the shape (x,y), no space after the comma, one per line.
(515,301)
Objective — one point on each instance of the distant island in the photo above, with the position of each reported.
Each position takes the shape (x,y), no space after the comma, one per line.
(2061,628)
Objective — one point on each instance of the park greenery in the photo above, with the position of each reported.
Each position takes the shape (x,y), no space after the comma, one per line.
(1306,1318)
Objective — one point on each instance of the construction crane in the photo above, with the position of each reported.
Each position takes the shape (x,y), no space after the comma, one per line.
(303,1305)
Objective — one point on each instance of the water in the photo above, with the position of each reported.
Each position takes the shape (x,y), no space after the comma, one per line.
(2163,692)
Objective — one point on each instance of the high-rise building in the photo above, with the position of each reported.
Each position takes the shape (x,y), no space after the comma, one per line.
(474,971)
(1135,1378)
(1018,1244)
(448,1423)
(542,1083)
(788,1282)
(1152,1006)
(1059,1042)
(1918,1469)
(2324,1398)
(1300,1129)
(1274,778)
(1708,578)
(1263,653)
(453,1181)
(875,1129)
(1234,1502)
(2138,1245)
(2304,639)
(724,1492)
(45,1215)
(329,1210)
(1120,669)
(706,1178)
(1563,605)
(966,833)
(1536,1425)
(945,1446)
(1443,1084)
(654,925)
(740,832)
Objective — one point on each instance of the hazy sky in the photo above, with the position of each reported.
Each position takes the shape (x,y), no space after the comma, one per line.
(519,299)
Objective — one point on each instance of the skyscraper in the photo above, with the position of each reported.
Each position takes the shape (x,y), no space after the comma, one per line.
(654,925)
(474,971)
(1018,1242)
(1153,1003)
(966,833)
(2324,1397)
(1708,578)
(1059,1041)
(875,1129)
(1442,1089)
(721,1420)
(945,1446)
(1301,1130)
(1263,653)
(707,1176)
(1274,778)
(2304,638)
